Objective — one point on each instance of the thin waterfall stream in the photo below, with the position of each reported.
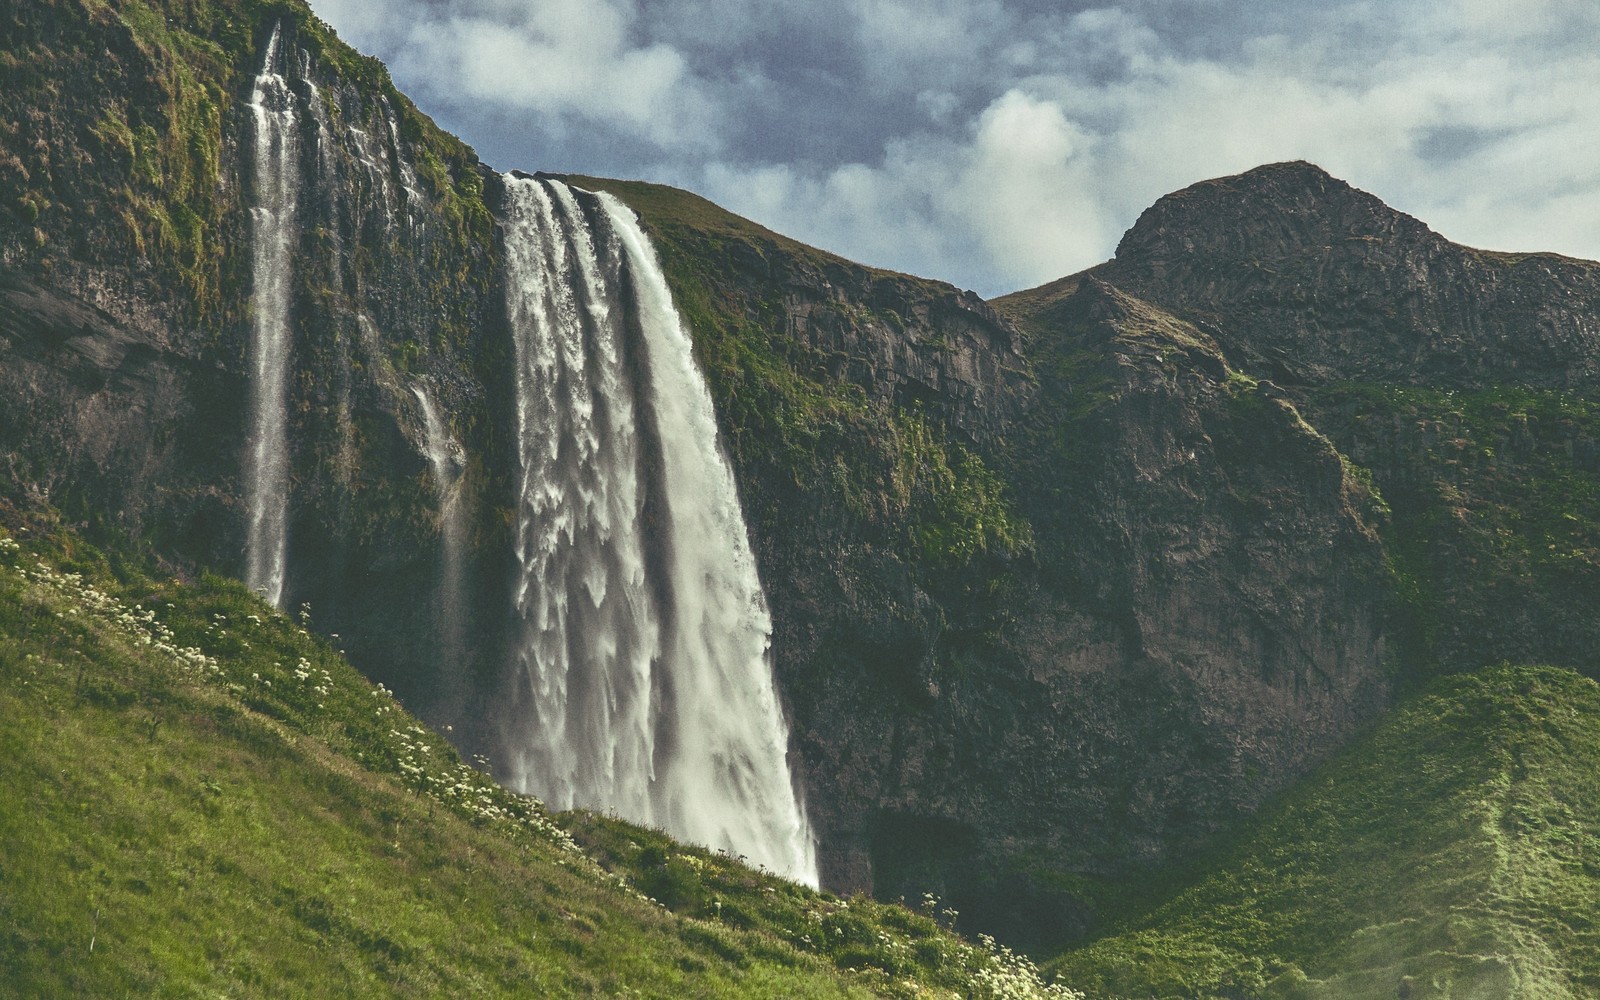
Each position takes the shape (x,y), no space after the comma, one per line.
(646,687)
(446,462)
(272,219)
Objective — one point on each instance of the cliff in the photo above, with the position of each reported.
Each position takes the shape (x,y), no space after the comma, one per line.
(1316,281)
(128,271)
(1063,587)
(1461,380)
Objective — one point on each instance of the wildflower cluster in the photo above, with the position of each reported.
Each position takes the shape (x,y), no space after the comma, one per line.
(467,791)
(1006,975)
(899,953)
(305,673)
(137,625)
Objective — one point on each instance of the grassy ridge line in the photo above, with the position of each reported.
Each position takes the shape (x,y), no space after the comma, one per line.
(196,795)
(1455,852)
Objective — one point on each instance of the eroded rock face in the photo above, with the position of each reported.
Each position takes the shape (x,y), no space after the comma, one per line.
(1204,621)
(1463,380)
(125,324)
(109,417)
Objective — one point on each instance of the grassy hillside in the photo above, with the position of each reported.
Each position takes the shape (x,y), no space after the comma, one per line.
(197,796)
(1453,853)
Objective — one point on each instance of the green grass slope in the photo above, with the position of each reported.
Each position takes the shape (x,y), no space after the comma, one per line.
(1455,852)
(197,797)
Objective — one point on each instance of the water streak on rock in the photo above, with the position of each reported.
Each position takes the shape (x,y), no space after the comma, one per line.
(446,463)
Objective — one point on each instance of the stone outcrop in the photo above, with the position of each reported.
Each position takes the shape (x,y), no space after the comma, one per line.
(1203,620)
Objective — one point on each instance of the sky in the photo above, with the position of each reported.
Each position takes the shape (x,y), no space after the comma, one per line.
(999,144)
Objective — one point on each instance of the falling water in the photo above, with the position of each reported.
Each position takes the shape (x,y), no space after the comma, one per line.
(446,462)
(648,690)
(272,219)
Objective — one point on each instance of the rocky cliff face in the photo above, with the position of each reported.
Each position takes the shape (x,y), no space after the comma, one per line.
(1059,591)
(1462,380)
(127,255)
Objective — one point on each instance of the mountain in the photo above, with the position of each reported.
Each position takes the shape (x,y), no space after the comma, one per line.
(1064,589)
(1460,381)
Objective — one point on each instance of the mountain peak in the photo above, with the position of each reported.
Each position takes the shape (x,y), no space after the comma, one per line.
(1272,210)
(1309,279)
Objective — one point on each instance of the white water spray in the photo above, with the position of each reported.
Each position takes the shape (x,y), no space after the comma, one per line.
(446,463)
(644,646)
(272,106)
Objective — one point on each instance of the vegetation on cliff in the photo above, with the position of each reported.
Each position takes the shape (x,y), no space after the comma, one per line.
(1494,495)
(117,128)
(896,472)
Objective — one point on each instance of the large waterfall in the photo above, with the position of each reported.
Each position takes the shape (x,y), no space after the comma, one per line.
(647,689)
(272,219)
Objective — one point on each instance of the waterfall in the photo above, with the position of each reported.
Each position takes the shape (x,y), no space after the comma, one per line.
(446,462)
(646,688)
(408,175)
(272,220)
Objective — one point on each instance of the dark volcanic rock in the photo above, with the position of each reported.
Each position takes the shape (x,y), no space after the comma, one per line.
(1311,280)
(125,317)
(1463,380)
(108,417)
(1205,622)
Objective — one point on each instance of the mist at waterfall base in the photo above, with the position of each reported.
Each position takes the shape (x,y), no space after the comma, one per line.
(639,681)
(645,686)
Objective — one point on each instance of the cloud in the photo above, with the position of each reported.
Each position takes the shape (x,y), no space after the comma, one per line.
(561,61)
(1047,175)
(1027,189)
(1012,200)
(1000,143)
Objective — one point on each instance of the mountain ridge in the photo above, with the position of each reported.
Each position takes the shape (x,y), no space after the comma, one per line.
(1318,281)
